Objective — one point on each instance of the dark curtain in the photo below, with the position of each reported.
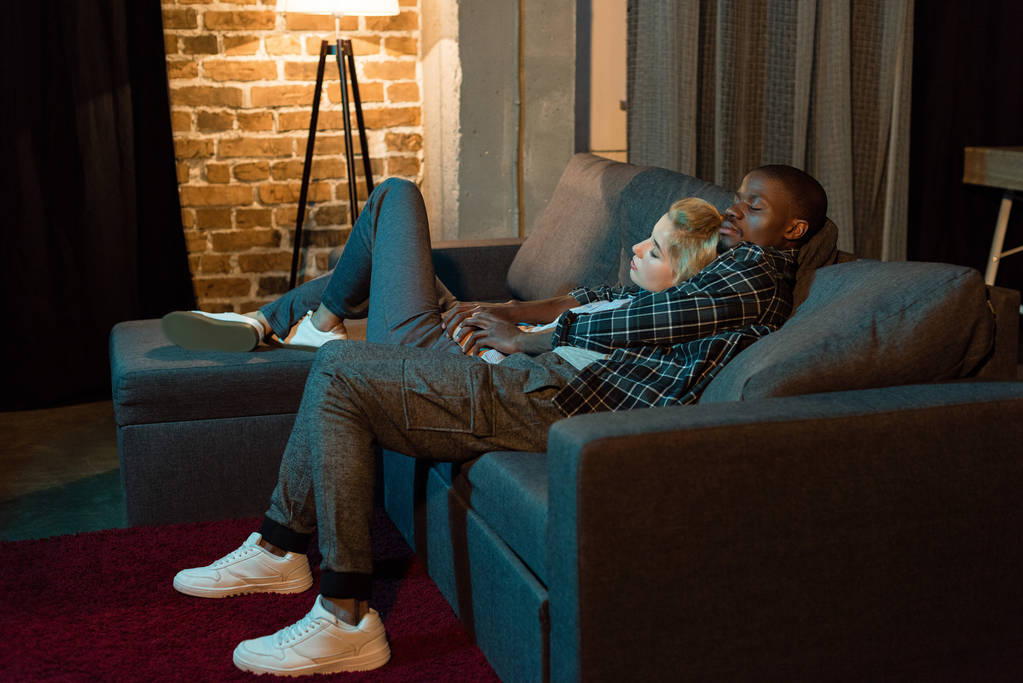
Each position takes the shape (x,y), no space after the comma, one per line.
(717,87)
(93,227)
(967,92)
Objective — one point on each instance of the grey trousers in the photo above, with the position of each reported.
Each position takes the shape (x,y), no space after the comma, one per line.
(428,402)
(420,402)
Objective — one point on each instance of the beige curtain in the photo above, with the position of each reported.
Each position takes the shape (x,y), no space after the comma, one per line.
(717,87)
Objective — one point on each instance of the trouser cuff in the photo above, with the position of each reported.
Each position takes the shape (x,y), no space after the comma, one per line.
(278,326)
(283,537)
(345,584)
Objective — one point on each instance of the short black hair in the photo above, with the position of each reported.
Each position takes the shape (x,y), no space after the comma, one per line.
(809,200)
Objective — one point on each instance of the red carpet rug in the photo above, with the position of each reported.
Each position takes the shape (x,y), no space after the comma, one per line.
(100,606)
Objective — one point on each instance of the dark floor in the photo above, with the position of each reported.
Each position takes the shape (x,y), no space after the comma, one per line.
(59,471)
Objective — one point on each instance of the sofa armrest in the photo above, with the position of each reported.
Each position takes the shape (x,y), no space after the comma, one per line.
(842,536)
(1004,358)
(476,270)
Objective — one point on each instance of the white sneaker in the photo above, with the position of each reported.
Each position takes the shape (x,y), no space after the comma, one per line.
(249,569)
(318,643)
(201,331)
(306,336)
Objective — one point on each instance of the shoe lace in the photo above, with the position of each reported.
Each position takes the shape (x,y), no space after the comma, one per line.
(232,556)
(295,631)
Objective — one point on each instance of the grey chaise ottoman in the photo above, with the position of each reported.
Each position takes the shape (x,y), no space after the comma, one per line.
(182,416)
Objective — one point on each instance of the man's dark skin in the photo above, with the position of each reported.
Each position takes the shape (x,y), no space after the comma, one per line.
(763,213)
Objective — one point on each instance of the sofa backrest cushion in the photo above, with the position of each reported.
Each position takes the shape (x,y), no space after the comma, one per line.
(575,239)
(867,324)
(599,209)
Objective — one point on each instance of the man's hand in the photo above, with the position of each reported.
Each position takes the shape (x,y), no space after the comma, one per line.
(456,315)
(476,324)
(513,311)
(484,329)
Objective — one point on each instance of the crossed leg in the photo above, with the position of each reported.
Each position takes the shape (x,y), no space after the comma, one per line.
(388,252)
(385,272)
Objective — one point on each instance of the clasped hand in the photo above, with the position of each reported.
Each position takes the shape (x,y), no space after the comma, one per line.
(474,325)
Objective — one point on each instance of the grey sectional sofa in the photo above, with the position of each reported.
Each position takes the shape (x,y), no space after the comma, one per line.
(845,502)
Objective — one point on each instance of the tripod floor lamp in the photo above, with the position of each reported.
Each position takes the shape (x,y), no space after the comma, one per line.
(343,54)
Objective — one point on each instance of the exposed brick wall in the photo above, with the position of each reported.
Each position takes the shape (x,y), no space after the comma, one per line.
(241,79)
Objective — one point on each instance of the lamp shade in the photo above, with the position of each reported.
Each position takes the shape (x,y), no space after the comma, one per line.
(365,8)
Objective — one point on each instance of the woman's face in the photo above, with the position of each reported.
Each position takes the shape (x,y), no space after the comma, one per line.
(651,267)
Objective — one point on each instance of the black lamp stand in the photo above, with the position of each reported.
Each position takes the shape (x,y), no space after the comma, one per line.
(346,70)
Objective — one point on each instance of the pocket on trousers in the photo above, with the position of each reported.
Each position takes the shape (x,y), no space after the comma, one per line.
(448,402)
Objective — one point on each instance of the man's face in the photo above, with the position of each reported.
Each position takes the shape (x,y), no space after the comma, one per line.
(761,214)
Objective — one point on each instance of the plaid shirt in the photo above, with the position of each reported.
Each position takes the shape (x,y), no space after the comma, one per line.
(666,346)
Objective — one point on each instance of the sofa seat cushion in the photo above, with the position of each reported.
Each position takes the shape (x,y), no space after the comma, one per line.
(509,491)
(154,380)
(868,324)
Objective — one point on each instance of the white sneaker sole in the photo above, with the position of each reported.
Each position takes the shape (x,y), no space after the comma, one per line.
(294,586)
(197,332)
(365,662)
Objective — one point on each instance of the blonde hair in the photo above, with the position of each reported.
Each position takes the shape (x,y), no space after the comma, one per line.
(695,238)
